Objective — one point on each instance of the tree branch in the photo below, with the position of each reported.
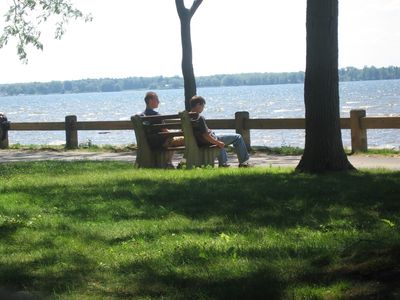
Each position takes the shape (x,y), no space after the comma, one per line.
(195,6)
(180,7)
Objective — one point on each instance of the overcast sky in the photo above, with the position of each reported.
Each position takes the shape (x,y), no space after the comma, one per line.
(142,38)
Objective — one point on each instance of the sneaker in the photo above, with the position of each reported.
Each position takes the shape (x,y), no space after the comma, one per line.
(224,166)
(181,165)
(245,164)
(169,166)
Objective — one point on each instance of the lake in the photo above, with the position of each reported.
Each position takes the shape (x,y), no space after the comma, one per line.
(379,98)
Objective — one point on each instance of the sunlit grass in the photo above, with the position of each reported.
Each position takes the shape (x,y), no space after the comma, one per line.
(377,151)
(90,230)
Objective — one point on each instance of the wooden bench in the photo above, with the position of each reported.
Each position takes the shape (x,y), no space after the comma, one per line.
(179,125)
(147,127)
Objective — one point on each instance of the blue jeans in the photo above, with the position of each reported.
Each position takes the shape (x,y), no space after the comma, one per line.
(238,143)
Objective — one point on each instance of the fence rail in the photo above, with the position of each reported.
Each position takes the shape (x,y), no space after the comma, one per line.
(358,123)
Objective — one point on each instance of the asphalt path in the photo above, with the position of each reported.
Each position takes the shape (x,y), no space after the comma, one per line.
(258,159)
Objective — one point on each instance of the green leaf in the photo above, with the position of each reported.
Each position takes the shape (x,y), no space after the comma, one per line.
(388,222)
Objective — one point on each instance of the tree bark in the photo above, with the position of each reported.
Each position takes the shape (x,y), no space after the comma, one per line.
(323,145)
(185,16)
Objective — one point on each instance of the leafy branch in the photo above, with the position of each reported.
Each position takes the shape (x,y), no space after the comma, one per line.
(24,18)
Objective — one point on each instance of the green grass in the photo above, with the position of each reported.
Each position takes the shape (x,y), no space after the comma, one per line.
(103,230)
(385,152)
(282,150)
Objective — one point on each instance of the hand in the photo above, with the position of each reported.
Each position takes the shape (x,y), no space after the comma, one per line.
(220,144)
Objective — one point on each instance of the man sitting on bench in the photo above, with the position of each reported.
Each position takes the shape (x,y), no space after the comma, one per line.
(205,136)
(155,140)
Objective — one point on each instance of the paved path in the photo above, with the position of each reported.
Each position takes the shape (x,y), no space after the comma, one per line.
(258,159)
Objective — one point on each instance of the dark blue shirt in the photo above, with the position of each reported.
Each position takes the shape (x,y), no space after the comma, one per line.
(155,140)
(149,112)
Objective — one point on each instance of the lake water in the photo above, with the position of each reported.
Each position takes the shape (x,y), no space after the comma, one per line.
(379,98)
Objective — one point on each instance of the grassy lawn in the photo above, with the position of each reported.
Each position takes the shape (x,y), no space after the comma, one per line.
(103,230)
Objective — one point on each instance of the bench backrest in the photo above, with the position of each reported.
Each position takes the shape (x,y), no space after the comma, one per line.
(148,127)
(195,156)
(145,126)
(187,128)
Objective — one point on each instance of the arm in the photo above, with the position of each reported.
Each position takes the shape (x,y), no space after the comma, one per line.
(209,138)
(205,132)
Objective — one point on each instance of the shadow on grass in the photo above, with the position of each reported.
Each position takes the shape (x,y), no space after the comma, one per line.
(258,284)
(265,199)
(45,276)
(281,200)
(243,200)
(370,276)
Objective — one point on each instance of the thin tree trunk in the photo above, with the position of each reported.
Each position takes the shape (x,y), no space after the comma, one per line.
(185,16)
(323,146)
(187,62)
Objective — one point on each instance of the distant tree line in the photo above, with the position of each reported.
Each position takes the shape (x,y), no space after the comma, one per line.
(160,82)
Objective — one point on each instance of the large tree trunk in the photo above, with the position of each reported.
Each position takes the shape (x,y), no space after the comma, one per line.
(185,16)
(323,146)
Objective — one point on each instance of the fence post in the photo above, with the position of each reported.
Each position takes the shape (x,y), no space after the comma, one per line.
(359,141)
(3,139)
(71,132)
(240,125)
(4,127)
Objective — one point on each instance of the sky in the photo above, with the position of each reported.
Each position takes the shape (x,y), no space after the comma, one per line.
(142,38)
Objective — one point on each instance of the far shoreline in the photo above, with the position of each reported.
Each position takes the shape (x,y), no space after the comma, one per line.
(106,85)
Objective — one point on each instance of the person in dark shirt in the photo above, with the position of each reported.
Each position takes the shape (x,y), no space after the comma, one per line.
(205,136)
(152,102)
(156,140)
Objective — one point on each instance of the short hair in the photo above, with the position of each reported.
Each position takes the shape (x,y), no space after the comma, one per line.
(196,100)
(149,96)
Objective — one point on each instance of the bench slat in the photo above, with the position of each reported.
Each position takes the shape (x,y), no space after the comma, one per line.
(171,133)
(166,117)
(168,126)
(174,148)
(159,117)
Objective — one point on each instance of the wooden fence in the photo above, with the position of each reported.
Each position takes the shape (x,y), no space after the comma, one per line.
(358,123)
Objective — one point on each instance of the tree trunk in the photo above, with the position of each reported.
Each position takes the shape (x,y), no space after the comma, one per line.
(185,16)
(323,145)
(187,62)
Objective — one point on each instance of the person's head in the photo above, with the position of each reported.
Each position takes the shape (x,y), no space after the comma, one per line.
(197,104)
(151,100)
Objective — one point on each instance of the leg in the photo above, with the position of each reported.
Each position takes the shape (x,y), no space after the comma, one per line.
(172,142)
(222,157)
(176,141)
(170,154)
(238,143)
